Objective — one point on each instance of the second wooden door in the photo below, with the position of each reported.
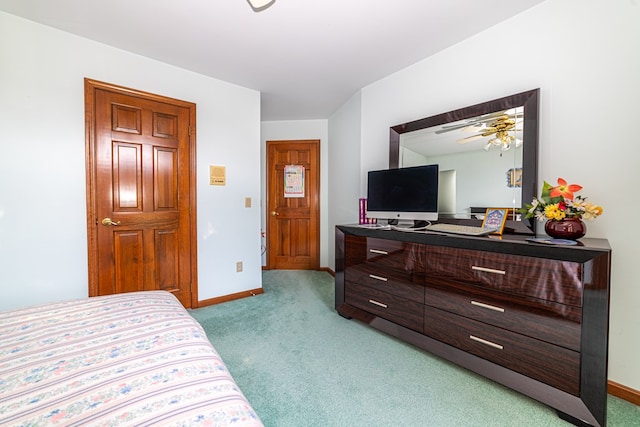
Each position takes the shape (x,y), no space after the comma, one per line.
(293,193)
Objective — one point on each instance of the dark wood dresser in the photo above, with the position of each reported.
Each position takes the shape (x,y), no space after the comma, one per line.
(532,317)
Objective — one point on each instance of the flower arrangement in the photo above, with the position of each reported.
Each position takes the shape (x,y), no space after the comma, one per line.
(560,202)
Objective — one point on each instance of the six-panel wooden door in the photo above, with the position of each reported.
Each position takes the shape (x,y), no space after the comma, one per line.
(293,229)
(143,204)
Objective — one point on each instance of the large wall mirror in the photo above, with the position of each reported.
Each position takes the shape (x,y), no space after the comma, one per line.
(487,153)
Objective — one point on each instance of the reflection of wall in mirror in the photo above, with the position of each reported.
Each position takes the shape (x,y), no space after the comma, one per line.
(410,158)
(447,193)
(480,176)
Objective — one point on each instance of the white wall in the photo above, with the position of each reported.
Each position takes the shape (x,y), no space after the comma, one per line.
(584,55)
(344,169)
(295,130)
(43,245)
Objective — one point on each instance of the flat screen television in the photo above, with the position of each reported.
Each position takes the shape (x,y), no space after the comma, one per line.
(403,194)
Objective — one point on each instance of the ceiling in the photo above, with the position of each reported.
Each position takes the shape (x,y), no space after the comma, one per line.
(306,57)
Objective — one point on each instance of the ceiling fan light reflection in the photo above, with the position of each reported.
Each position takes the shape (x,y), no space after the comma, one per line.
(258,5)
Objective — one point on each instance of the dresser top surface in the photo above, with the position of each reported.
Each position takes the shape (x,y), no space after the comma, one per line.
(585,249)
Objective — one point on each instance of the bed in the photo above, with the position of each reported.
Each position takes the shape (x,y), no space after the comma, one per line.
(129,359)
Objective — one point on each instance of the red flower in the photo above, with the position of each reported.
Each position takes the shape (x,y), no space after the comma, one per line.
(564,190)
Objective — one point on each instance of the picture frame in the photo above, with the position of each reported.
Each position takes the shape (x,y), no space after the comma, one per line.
(495,218)
(514,178)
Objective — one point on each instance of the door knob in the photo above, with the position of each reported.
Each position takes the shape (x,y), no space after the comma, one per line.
(108,221)
(274,213)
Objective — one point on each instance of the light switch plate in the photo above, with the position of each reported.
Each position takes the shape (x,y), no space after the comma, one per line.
(247,202)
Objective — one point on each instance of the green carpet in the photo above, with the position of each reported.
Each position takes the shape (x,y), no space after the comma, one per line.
(301,364)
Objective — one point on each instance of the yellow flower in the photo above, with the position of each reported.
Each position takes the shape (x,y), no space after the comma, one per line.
(554,212)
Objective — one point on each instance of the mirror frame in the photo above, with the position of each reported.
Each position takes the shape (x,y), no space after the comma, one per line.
(529,100)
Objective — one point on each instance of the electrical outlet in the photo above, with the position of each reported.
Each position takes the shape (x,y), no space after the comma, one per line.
(239,267)
(247,202)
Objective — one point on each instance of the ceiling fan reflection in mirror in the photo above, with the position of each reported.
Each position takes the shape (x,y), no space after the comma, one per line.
(476,122)
(500,126)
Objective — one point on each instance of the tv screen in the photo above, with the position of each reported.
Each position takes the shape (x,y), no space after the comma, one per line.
(403,194)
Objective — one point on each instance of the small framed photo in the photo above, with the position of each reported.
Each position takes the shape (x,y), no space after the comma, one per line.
(495,218)
(514,178)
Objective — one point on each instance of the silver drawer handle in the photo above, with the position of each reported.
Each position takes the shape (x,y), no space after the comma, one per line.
(489,343)
(487,270)
(378,251)
(373,276)
(379,304)
(490,307)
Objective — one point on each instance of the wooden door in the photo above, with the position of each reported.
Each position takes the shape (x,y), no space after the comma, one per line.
(293,227)
(140,192)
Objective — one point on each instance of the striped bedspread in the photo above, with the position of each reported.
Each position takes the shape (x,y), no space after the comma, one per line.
(127,359)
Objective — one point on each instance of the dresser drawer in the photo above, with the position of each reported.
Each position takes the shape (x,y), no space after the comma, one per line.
(400,283)
(544,320)
(550,364)
(398,310)
(402,256)
(545,279)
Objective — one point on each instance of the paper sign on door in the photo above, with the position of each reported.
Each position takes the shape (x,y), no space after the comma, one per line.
(294,181)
